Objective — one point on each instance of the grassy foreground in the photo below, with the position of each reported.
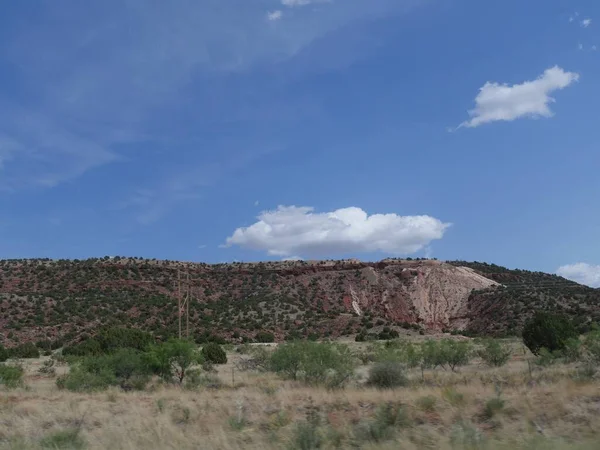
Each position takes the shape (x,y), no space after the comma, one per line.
(517,406)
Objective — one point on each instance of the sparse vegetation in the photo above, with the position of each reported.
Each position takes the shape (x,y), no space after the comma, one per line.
(11,376)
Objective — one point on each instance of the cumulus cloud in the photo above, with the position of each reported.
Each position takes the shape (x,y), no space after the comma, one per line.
(586,23)
(530,99)
(582,273)
(274,15)
(292,230)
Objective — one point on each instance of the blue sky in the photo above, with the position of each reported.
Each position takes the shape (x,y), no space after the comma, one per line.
(224,130)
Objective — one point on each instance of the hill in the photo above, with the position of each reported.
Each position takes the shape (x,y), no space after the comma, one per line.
(65,300)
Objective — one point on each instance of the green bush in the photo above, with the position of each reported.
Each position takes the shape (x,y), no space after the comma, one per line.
(79,380)
(214,353)
(126,368)
(264,337)
(111,339)
(87,347)
(108,340)
(172,360)
(4,354)
(28,350)
(315,363)
(387,375)
(549,331)
(494,353)
(11,376)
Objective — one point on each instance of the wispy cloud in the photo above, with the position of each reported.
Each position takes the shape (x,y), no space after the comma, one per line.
(501,102)
(274,15)
(101,71)
(586,23)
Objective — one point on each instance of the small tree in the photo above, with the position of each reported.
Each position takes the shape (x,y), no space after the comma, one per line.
(494,353)
(454,354)
(173,358)
(549,331)
(317,363)
(214,353)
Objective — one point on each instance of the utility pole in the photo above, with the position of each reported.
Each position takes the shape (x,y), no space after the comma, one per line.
(183,304)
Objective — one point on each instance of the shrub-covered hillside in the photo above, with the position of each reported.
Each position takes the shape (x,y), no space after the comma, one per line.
(66,300)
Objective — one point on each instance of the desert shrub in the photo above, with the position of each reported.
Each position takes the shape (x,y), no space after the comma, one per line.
(214,353)
(494,353)
(572,351)
(306,436)
(27,350)
(108,340)
(388,418)
(427,403)
(80,380)
(87,347)
(549,331)
(66,439)
(316,363)
(453,397)
(401,351)
(264,337)
(492,407)
(11,376)
(387,375)
(546,358)
(111,339)
(591,347)
(171,360)
(4,354)
(467,436)
(126,368)
(48,367)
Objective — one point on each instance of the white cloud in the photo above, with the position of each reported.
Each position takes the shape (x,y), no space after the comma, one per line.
(586,23)
(274,15)
(582,273)
(594,48)
(580,46)
(256,203)
(293,258)
(202,246)
(293,3)
(291,230)
(530,99)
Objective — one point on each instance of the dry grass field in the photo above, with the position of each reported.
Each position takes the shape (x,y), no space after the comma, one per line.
(512,407)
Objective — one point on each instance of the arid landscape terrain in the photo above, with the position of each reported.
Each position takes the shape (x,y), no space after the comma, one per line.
(521,405)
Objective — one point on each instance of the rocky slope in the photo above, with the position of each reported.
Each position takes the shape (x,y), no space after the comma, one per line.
(64,300)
